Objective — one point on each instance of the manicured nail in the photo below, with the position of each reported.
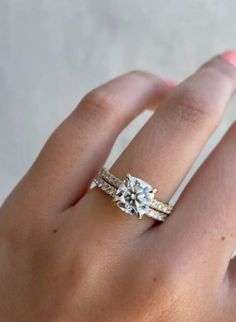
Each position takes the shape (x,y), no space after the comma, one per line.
(169,82)
(230,57)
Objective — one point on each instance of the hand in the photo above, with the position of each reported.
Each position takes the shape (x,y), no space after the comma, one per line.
(69,254)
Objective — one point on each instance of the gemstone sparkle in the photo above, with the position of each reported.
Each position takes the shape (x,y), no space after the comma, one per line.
(134,196)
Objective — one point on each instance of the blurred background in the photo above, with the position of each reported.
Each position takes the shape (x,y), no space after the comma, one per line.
(54,51)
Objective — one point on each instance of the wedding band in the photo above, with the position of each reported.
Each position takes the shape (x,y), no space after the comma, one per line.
(133,196)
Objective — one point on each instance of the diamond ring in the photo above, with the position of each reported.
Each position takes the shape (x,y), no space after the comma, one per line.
(133,196)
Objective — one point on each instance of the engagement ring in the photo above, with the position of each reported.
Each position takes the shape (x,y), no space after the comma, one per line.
(133,196)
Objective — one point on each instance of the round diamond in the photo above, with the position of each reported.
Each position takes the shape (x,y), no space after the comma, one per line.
(134,196)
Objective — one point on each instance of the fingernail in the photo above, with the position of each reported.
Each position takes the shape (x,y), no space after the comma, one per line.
(230,57)
(169,82)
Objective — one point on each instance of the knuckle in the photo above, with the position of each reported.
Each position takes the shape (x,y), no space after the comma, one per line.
(188,108)
(101,103)
(141,73)
(146,77)
(218,69)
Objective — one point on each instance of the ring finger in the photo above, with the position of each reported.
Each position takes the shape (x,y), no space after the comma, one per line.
(164,150)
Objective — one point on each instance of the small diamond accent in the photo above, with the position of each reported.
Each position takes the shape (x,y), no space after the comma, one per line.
(133,196)
(157,215)
(106,175)
(104,186)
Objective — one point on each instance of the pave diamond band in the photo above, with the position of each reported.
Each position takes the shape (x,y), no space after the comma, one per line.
(133,196)
(111,191)
(156,204)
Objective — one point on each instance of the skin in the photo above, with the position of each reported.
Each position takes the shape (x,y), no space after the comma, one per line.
(69,254)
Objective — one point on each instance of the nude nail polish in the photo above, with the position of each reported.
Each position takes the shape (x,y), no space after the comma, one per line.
(230,57)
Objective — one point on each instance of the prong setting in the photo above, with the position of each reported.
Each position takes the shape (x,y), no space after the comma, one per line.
(128,175)
(133,196)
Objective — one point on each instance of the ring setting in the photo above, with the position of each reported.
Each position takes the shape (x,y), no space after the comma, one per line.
(133,196)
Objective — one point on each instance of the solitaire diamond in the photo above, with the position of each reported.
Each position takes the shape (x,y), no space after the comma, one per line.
(134,196)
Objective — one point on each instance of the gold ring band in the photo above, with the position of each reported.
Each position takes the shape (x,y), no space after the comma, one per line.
(133,195)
